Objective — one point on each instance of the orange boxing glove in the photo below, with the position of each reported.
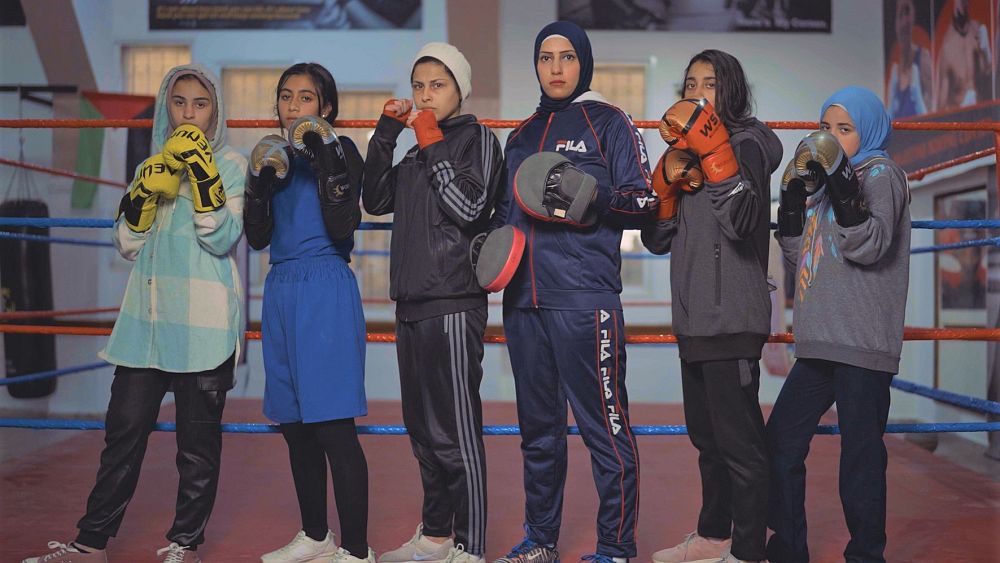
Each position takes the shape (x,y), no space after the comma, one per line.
(397,109)
(693,124)
(425,125)
(675,173)
(682,167)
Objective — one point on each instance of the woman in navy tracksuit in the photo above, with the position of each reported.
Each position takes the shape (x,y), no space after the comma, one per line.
(562,310)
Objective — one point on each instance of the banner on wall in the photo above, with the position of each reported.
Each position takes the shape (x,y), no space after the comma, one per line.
(284,14)
(940,65)
(12,14)
(698,15)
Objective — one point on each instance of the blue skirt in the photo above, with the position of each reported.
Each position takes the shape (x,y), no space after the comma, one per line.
(313,332)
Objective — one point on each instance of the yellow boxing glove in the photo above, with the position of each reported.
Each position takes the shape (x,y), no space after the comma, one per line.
(188,148)
(154,180)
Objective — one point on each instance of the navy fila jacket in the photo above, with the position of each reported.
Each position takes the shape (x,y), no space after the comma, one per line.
(565,267)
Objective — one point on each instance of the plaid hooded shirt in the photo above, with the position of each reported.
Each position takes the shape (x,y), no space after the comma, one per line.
(181,310)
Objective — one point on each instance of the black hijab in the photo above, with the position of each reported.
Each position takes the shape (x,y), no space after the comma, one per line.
(581,43)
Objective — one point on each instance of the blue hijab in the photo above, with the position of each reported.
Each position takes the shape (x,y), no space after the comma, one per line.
(870,119)
(581,43)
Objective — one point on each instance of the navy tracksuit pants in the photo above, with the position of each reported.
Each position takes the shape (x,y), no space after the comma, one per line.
(579,357)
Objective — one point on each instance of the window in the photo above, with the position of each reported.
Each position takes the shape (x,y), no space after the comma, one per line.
(143,66)
(248,93)
(372,270)
(624,85)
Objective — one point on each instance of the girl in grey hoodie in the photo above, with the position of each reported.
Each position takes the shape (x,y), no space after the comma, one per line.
(718,241)
(849,244)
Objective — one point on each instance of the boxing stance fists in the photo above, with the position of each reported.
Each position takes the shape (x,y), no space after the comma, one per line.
(677,171)
(188,148)
(269,164)
(314,138)
(397,109)
(820,154)
(694,125)
(154,180)
(792,202)
(425,127)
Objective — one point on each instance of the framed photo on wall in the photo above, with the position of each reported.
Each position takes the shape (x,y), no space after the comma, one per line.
(960,300)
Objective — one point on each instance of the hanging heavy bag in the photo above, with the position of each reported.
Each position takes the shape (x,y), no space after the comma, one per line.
(26,285)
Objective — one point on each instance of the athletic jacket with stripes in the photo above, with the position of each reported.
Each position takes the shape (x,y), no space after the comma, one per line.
(566,267)
(441,196)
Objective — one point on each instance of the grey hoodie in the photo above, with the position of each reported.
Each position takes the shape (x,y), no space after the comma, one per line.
(851,283)
(718,264)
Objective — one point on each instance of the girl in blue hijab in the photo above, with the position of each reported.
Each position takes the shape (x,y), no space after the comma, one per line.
(871,129)
(851,245)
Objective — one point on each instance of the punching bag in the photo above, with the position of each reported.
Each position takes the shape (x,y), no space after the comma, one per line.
(26,285)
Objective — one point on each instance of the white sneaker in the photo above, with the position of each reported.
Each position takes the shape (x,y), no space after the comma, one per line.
(303,549)
(727,557)
(68,553)
(344,556)
(458,554)
(175,553)
(419,550)
(693,548)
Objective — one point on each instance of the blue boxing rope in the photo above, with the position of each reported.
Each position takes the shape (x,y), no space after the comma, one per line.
(51,373)
(964,244)
(53,240)
(387,226)
(971,403)
(949,224)
(48,222)
(489,430)
(43,222)
(957,224)
(371,252)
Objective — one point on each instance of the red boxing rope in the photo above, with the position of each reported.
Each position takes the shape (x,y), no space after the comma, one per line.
(971,334)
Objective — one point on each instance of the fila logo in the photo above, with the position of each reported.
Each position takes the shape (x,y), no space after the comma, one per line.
(571,145)
(642,145)
(605,348)
(614,417)
(710,125)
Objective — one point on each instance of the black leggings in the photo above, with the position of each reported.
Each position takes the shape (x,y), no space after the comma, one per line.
(309,448)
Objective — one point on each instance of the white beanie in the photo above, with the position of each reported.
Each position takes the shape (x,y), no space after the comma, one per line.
(454,60)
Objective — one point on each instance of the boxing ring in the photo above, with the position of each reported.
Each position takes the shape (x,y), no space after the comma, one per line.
(504,455)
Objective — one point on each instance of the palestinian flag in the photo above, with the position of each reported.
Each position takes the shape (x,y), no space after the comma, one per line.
(101,105)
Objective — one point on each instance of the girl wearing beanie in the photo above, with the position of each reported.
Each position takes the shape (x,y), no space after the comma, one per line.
(442,193)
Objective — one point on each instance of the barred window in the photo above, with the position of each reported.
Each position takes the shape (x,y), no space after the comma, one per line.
(143,66)
(624,85)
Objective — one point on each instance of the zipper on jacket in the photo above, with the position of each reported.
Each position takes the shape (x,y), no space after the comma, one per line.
(545,133)
(531,265)
(718,274)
